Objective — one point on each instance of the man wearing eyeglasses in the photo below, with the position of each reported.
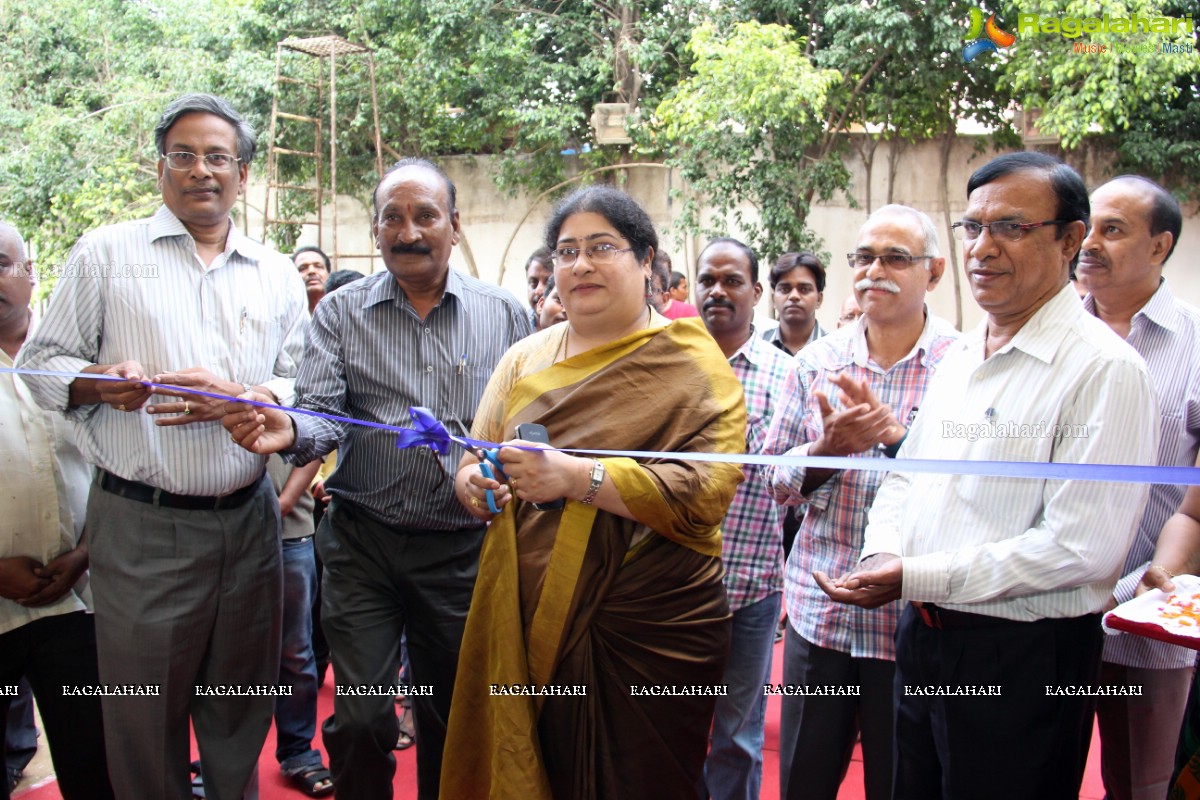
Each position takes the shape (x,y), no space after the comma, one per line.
(183,527)
(998,647)
(833,404)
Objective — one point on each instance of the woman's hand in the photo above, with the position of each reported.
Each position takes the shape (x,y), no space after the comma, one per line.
(543,476)
(471,485)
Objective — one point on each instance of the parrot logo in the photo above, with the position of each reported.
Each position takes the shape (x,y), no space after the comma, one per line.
(984,37)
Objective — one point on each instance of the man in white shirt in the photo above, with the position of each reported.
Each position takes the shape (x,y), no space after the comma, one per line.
(46,632)
(182,524)
(1005,577)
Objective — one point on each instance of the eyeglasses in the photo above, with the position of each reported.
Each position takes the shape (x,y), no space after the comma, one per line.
(890,260)
(968,230)
(217,162)
(602,253)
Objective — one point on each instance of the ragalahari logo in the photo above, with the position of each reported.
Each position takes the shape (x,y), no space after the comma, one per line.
(984,37)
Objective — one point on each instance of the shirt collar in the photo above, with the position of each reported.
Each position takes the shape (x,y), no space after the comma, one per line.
(165,224)
(861,356)
(1042,335)
(1159,309)
(388,289)
(752,348)
(775,336)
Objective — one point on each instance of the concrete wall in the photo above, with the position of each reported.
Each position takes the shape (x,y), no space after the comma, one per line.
(492,221)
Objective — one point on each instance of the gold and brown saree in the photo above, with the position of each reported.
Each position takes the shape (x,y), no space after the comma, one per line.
(581,598)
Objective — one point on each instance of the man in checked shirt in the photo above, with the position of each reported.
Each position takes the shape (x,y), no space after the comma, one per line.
(833,405)
(727,290)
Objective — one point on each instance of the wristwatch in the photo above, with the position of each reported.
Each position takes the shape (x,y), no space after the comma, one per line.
(890,450)
(594,486)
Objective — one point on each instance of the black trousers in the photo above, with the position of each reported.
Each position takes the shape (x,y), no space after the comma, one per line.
(1030,741)
(817,733)
(53,652)
(380,581)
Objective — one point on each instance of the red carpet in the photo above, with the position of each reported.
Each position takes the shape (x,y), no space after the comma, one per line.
(272,786)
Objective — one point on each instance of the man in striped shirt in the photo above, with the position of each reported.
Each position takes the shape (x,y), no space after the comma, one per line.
(998,649)
(182,525)
(727,289)
(400,552)
(1135,225)
(891,351)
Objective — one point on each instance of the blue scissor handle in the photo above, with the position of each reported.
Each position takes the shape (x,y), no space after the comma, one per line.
(484,457)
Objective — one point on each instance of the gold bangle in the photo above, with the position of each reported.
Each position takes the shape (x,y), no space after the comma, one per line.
(1164,569)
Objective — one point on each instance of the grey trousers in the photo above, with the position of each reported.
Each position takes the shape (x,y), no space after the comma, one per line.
(1138,733)
(186,599)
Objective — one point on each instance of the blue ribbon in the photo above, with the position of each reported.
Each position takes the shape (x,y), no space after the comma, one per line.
(427,430)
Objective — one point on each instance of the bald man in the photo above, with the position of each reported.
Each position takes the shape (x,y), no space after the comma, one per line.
(1135,226)
(46,632)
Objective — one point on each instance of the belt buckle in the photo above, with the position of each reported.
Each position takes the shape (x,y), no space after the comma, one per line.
(931,620)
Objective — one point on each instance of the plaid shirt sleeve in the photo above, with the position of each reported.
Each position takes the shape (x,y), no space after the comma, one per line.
(752,533)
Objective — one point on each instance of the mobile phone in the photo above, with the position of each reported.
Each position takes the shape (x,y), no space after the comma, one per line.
(533,432)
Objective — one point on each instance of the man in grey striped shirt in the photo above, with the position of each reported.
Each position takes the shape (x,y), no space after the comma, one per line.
(1135,225)
(183,527)
(1000,645)
(400,552)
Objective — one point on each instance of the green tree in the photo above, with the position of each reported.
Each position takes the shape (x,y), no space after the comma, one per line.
(81,87)
(491,77)
(1138,105)
(900,79)
(741,129)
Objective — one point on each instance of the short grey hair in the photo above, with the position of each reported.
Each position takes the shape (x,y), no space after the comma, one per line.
(11,230)
(927,227)
(247,139)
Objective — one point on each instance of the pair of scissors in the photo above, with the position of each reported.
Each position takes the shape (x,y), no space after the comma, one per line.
(493,456)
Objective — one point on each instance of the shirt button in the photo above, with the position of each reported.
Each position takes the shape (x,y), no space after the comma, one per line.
(427,331)
(429,368)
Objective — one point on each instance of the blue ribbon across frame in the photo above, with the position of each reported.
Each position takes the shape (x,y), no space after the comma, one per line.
(427,430)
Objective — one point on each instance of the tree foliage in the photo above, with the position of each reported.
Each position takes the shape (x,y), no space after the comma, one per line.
(741,128)
(1139,103)
(491,77)
(83,84)
(754,100)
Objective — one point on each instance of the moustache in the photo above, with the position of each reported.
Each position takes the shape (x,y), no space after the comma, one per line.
(411,249)
(717,304)
(882,283)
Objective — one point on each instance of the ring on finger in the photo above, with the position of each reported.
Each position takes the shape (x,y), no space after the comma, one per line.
(475,502)
(187,407)
(121,407)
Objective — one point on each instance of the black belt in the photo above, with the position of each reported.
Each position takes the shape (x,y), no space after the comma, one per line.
(943,619)
(132,490)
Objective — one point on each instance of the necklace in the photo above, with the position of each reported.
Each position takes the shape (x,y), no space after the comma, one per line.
(564,347)
(561,353)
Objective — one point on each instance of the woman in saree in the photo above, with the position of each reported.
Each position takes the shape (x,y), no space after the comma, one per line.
(619,593)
